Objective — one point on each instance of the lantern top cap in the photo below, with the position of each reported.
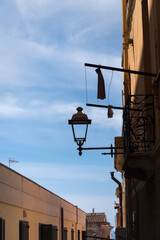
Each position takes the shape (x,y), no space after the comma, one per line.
(79,117)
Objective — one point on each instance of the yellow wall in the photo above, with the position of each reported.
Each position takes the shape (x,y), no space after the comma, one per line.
(23,199)
(142,25)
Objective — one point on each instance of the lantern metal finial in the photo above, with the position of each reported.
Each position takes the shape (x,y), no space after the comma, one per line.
(79,109)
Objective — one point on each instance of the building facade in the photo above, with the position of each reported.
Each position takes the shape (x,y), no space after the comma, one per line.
(29,211)
(97,225)
(140,164)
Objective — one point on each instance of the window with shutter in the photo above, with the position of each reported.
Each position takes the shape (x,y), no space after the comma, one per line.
(83,235)
(65,234)
(23,230)
(54,230)
(72,234)
(62,223)
(2,229)
(78,234)
(47,232)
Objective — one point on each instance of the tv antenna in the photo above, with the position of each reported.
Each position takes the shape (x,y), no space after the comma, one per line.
(12,161)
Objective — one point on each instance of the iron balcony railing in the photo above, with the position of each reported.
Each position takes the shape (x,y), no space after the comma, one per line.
(139,124)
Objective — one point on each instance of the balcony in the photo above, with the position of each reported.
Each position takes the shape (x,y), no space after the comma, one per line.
(139,134)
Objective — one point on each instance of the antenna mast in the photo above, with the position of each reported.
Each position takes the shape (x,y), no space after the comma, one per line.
(12,161)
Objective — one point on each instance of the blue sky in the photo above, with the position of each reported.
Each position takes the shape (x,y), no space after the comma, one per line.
(43,47)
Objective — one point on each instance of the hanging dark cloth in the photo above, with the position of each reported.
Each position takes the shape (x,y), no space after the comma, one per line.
(101,86)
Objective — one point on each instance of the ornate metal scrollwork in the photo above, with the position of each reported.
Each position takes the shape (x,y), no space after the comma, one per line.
(139,123)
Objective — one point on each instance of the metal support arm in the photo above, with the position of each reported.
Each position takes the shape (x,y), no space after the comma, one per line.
(80,149)
(121,70)
(113,107)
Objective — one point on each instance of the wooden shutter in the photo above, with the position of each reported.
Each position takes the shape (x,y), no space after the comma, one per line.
(54,230)
(65,234)
(23,230)
(78,234)
(83,235)
(40,231)
(62,224)
(72,234)
(47,232)
(2,229)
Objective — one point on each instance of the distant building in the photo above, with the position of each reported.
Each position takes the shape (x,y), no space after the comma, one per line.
(97,225)
(31,212)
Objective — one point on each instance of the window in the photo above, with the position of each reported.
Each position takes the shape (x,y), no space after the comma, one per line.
(72,234)
(47,232)
(62,223)
(78,234)
(83,235)
(23,230)
(65,234)
(2,229)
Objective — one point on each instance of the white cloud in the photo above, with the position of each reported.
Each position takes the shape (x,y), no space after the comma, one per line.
(18,63)
(28,45)
(19,48)
(11,107)
(43,8)
(100,118)
(44,45)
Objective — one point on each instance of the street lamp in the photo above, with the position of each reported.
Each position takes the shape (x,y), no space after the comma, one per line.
(78,121)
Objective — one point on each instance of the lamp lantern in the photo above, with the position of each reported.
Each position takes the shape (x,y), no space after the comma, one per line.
(79,123)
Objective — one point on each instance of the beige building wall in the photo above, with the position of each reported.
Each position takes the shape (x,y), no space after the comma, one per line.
(135,50)
(23,199)
(141,28)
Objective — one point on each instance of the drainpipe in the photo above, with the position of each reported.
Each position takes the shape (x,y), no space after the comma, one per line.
(120,197)
(76,227)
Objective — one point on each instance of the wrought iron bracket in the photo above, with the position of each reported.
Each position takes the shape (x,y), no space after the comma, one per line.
(121,70)
(113,107)
(111,148)
(139,127)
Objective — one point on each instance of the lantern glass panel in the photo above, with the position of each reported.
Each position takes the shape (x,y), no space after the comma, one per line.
(80,131)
